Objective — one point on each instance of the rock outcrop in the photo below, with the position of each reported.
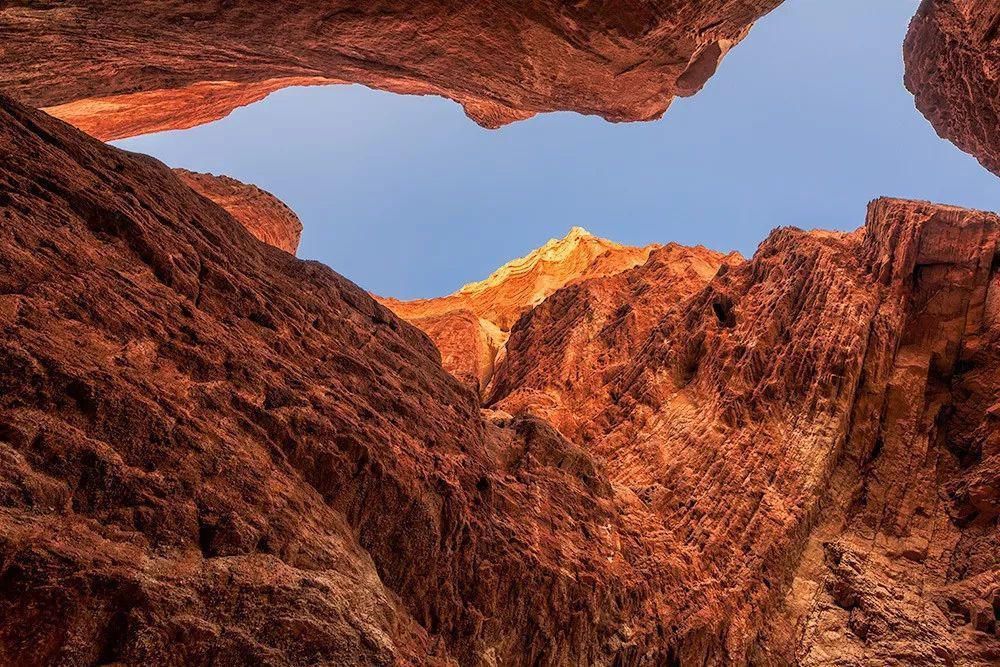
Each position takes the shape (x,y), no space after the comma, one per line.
(471,326)
(263,214)
(561,354)
(213,452)
(902,567)
(119,69)
(952,56)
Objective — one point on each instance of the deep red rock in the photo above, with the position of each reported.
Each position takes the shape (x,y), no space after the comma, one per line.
(952,54)
(118,69)
(263,214)
(213,452)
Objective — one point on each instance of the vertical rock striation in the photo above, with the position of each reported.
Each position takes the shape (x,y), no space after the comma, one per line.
(903,566)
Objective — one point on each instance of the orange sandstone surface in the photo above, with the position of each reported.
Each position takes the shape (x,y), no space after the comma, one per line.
(471,326)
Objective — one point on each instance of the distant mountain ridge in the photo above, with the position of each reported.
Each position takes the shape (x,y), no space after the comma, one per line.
(471,325)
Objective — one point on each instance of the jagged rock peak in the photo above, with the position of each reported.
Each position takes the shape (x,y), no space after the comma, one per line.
(470,326)
(578,247)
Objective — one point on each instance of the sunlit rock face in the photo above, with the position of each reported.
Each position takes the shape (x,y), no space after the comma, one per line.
(561,354)
(263,214)
(814,425)
(117,69)
(471,326)
(213,451)
(952,57)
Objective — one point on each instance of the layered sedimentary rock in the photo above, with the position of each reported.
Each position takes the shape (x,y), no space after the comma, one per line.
(212,451)
(263,214)
(117,69)
(561,354)
(471,326)
(902,567)
(952,56)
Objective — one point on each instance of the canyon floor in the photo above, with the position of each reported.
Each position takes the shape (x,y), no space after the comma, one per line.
(214,453)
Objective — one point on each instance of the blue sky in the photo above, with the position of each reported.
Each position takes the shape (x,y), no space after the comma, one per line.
(805,122)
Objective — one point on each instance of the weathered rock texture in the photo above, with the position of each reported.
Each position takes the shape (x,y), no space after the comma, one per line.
(266,216)
(117,69)
(471,326)
(952,56)
(902,567)
(211,452)
(815,427)
(561,354)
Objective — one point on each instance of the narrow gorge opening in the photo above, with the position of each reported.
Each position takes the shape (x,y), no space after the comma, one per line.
(681,430)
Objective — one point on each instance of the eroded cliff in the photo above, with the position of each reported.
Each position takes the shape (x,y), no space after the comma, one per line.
(471,326)
(813,425)
(117,69)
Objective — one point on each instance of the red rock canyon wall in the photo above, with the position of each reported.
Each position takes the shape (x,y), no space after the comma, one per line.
(214,451)
(952,57)
(119,69)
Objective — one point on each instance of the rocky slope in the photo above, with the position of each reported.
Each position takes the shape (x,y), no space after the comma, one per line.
(561,354)
(215,452)
(952,57)
(118,69)
(263,214)
(471,326)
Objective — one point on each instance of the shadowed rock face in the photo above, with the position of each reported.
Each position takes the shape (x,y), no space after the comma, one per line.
(212,451)
(118,69)
(263,214)
(952,57)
